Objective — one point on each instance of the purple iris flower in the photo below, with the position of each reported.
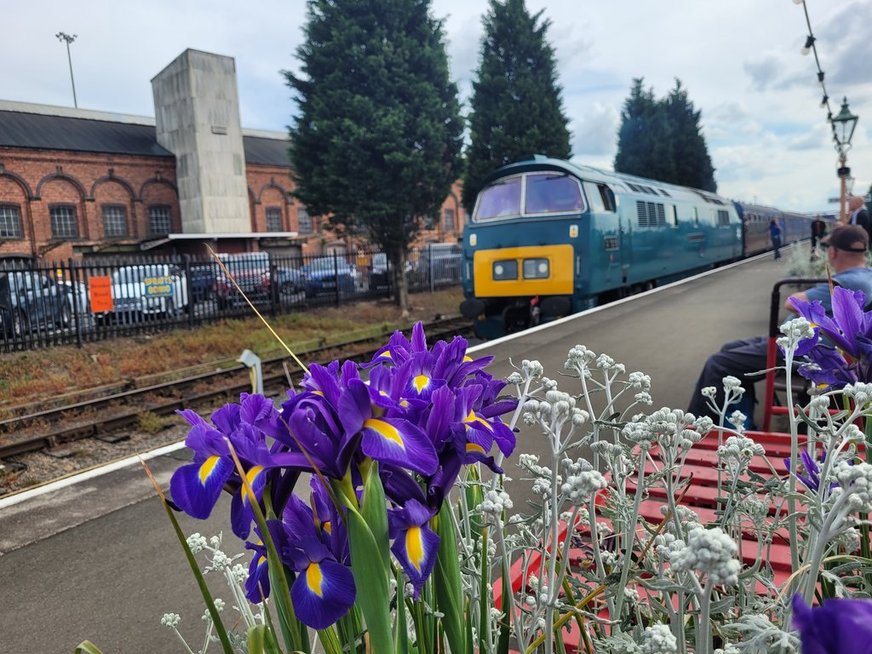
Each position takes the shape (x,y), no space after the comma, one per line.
(809,473)
(324,589)
(415,544)
(849,329)
(838,626)
(257,583)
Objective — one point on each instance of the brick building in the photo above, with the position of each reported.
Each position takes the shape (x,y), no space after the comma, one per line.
(77,183)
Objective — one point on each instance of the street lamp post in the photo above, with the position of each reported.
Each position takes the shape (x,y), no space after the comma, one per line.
(61,36)
(843,131)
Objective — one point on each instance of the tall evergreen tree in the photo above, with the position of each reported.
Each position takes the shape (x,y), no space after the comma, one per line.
(644,139)
(376,141)
(517,109)
(693,166)
(662,139)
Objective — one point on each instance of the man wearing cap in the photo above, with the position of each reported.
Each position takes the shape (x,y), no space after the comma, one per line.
(846,248)
(859,215)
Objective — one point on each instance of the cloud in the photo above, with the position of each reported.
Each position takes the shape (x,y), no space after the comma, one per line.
(595,133)
(762,71)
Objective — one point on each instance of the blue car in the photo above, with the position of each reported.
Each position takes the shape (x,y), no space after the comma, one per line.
(328,276)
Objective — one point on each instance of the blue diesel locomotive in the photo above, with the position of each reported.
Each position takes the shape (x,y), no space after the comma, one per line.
(548,238)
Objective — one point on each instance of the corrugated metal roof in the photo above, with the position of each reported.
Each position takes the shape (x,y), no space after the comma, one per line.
(20,129)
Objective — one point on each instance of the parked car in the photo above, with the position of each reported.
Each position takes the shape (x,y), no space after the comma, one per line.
(31,300)
(329,275)
(291,281)
(251,273)
(439,263)
(149,289)
(203,276)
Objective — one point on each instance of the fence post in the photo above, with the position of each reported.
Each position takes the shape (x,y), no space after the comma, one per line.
(430,266)
(336,275)
(74,285)
(189,289)
(273,281)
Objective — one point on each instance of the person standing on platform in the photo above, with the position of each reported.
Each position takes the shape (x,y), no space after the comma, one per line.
(859,215)
(775,235)
(818,231)
(846,248)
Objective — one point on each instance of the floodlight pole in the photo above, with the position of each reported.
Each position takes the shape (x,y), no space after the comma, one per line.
(68,38)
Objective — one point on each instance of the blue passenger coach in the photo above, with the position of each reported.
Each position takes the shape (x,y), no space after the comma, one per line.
(549,237)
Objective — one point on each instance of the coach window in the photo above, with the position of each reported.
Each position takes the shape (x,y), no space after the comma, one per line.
(114,221)
(10,221)
(159,219)
(675,215)
(502,199)
(553,193)
(63,221)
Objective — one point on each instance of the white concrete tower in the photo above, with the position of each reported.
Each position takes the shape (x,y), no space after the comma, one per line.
(196,106)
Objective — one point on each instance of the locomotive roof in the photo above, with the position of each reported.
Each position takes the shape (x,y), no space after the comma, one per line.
(589,173)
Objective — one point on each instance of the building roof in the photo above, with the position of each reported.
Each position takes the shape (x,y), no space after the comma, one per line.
(43,127)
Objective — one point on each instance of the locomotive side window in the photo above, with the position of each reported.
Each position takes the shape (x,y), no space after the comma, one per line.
(501,199)
(600,197)
(723,218)
(550,193)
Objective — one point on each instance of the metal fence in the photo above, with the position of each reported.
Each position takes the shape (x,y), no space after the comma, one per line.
(76,302)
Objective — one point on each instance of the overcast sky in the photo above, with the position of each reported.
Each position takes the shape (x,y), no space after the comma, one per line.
(739,60)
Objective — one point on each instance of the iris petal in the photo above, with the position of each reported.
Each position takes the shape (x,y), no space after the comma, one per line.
(416,551)
(323,593)
(400,442)
(196,487)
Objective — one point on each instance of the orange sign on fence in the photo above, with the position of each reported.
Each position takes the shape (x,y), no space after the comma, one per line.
(100,294)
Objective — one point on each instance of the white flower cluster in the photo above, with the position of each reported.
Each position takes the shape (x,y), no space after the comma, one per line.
(171,620)
(196,543)
(670,428)
(795,330)
(496,502)
(582,482)
(219,606)
(856,480)
(860,392)
(709,552)
(607,363)
(658,639)
(737,452)
(557,406)
(579,357)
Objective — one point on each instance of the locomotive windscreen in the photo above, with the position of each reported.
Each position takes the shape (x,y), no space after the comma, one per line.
(499,200)
(541,193)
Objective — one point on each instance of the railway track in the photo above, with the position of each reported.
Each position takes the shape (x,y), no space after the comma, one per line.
(102,416)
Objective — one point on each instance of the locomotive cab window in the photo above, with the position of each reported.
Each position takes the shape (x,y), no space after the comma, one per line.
(551,193)
(502,199)
(600,197)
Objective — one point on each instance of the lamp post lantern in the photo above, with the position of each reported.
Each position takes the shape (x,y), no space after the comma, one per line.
(69,38)
(843,124)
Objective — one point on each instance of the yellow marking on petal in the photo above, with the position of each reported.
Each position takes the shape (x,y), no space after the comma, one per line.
(321,393)
(466,358)
(328,527)
(421,382)
(404,403)
(385,355)
(314,579)
(472,419)
(415,547)
(207,467)
(385,430)
(250,476)
(475,447)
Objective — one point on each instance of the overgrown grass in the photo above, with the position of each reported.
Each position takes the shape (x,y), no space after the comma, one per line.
(41,374)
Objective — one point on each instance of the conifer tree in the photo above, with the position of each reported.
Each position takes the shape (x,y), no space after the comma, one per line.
(376,140)
(644,139)
(517,110)
(693,166)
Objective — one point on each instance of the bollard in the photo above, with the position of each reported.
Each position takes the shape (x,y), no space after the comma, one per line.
(255,371)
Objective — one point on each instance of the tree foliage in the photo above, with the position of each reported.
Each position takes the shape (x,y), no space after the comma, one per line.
(517,110)
(376,142)
(662,139)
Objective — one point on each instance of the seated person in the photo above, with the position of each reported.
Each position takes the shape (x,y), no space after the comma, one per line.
(846,249)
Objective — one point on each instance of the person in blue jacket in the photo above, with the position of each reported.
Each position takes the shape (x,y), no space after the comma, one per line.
(775,235)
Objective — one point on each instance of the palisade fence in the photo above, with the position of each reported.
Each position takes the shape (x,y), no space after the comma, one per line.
(75,302)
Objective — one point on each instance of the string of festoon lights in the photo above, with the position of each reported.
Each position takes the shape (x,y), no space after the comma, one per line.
(842,125)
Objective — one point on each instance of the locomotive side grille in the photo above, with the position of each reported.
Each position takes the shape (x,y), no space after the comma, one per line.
(650,214)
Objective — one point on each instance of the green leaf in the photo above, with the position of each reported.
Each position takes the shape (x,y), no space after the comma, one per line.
(446,580)
(87,647)
(506,619)
(401,632)
(371,580)
(486,597)
(374,512)
(256,639)
(330,641)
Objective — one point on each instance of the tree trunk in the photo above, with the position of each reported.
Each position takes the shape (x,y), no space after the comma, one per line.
(401,285)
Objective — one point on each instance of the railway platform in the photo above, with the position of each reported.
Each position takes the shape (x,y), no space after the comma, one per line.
(97,559)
